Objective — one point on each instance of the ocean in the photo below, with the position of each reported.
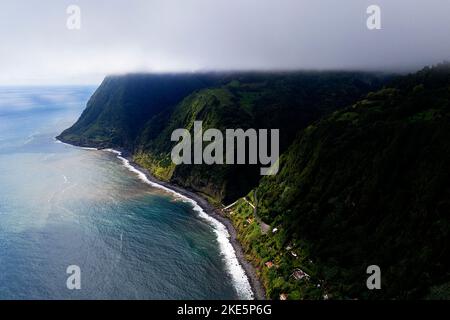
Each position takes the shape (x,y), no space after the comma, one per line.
(61,206)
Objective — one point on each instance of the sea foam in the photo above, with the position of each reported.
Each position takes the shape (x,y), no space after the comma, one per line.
(233,267)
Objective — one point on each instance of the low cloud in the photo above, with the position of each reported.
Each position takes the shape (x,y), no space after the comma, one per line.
(193,35)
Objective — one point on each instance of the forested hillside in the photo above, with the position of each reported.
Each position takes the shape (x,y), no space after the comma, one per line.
(370,184)
(139,113)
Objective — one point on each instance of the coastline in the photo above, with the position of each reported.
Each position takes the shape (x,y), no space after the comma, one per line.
(256,286)
(209,209)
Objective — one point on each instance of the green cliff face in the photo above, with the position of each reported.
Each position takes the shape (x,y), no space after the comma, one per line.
(367,185)
(118,110)
(139,113)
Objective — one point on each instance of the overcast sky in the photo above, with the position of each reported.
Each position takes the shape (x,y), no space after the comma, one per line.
(119,36)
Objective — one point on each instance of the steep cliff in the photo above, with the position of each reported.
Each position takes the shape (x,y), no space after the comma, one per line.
(139,113)
(366,185)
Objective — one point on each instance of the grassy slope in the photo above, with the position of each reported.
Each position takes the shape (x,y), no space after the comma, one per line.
(288,102)
(118,110)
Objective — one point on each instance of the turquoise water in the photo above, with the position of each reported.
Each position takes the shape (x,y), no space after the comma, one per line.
(61,206)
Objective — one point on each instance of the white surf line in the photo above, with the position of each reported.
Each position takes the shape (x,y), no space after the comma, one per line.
(86,148)
(70,145)
(234,268)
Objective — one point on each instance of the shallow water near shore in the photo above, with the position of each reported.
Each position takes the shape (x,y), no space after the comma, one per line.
(61,206)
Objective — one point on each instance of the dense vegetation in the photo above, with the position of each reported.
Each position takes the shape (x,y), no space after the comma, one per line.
(139,113)
(121,106)
(371,185)
(364,175)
